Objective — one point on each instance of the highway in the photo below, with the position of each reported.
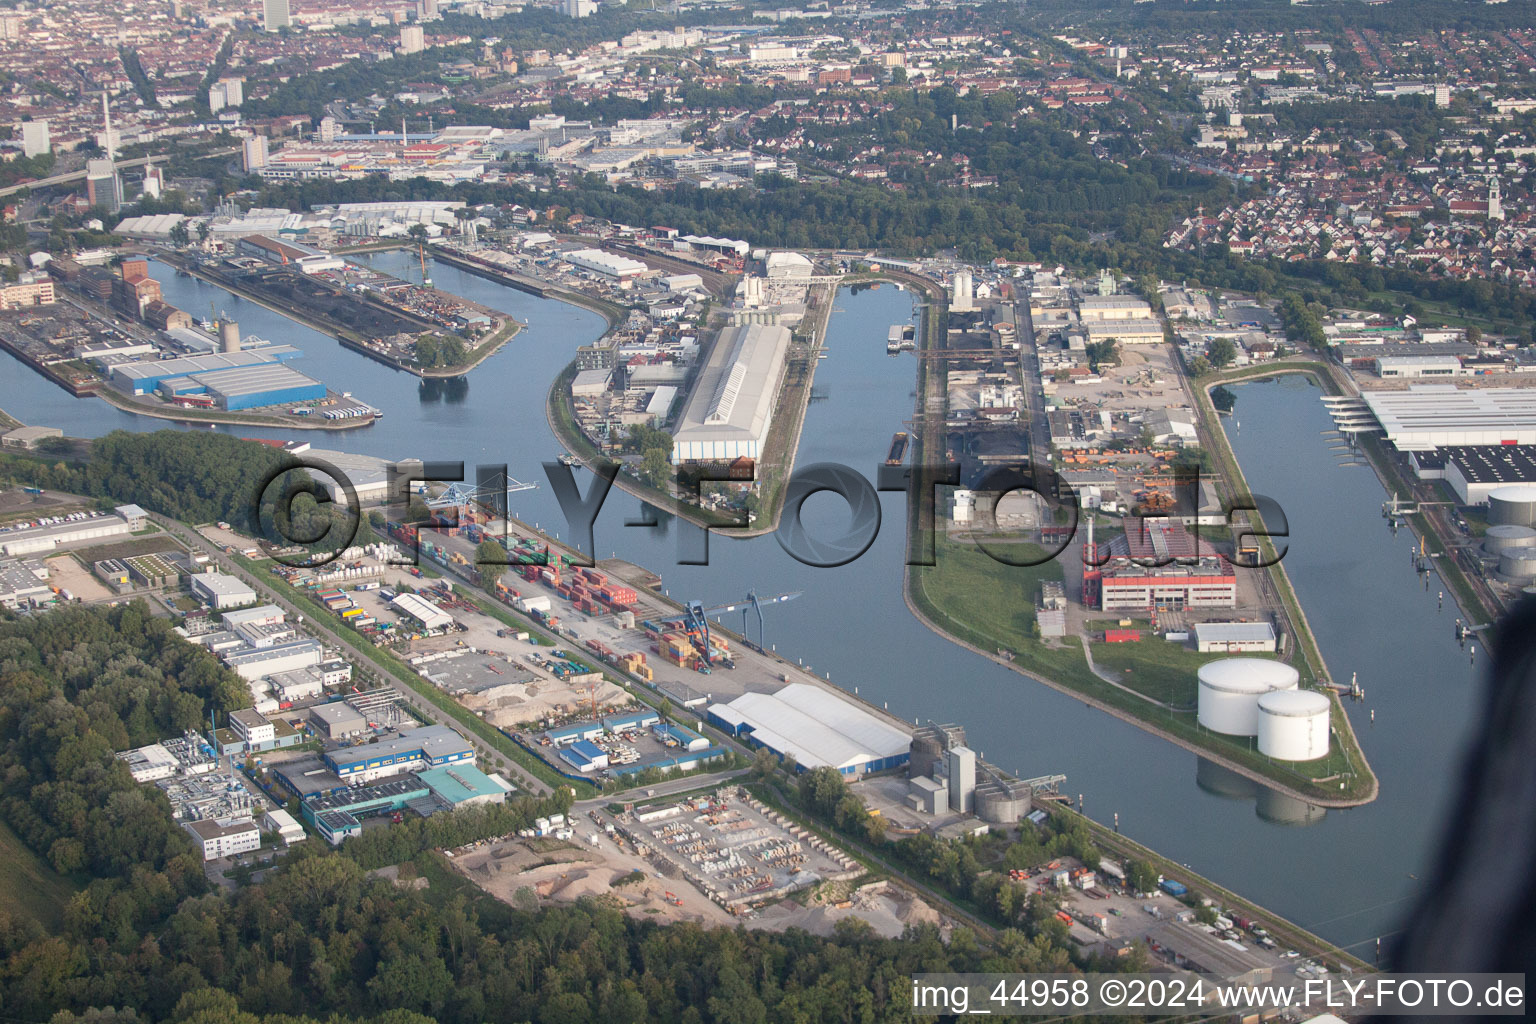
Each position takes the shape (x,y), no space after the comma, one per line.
(62,179)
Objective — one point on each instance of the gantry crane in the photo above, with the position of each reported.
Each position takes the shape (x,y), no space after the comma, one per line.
(696,617)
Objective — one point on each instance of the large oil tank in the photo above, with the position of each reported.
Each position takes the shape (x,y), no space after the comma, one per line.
(1003,802)
(1293,725)
(1229,692)
(1508,537)
(1513,505)
(1518,566)
(1279,809)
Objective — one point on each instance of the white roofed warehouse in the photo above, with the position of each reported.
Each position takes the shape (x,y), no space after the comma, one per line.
(731,407)
(816,728)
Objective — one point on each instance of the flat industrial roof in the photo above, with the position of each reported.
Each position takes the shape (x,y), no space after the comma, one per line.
(433,740)
(816,726)
(1439,415)
(462,782)
(1493,463)
(1234,632)
(249,380)
(733,396)
(146,368)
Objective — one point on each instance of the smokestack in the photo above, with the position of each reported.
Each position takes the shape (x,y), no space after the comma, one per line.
(106,122)
(229,336)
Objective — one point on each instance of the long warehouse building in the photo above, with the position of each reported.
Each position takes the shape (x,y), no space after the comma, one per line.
(816,728)
(731,408)
(1429,416)
(145,375)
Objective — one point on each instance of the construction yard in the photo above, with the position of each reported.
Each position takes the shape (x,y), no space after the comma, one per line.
(810,885)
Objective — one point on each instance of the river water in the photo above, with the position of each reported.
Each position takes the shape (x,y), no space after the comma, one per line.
(1347,875)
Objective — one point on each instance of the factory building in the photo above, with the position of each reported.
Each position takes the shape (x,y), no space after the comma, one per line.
(1476,471)
(423,611)
(816,728)
(584,756)
(284,824)
(224,837)
(255,662)
(730,409)
(427,747)
(1114,307)
(1441,415)
(289,254)
(142,377)
(23,582)
(334,826)
(151,763)
(338,721)
(465,785)
(394,793)
(47,539)
(1131,580)
(245,387)
(619,268)
(219,591)
(1231,637)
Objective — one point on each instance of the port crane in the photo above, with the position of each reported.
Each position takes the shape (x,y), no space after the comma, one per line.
(696,616)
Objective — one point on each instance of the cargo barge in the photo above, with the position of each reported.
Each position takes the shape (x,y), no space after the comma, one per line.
(898,452)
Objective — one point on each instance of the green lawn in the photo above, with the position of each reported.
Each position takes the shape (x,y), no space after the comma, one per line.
(28,886)
(991,605)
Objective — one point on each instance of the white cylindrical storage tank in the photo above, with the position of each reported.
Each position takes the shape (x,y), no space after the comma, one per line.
(1293,725)
(1229,692)
(1518,566)
(1508,537)
(1515,504)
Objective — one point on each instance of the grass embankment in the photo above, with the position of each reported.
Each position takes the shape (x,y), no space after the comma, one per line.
(29,887)
(392,665)
(991,606)
(1363,784)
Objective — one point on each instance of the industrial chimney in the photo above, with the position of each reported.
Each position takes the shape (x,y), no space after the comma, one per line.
(229,336)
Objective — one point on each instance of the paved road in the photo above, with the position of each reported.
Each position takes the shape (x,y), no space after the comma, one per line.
(317,627)
(60,179)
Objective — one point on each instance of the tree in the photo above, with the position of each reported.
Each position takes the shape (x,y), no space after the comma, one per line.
(656,467)
(490,563)
(179,234)
(1140,876)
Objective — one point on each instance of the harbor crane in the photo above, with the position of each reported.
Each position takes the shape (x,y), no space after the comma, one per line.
(696,617)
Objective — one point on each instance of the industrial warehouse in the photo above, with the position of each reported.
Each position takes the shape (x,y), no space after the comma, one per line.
(816,728)
(731,408)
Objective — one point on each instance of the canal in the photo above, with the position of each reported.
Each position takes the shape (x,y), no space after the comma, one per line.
(1346,875)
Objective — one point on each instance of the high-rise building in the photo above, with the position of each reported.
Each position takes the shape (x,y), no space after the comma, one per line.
(579,8)
(10,27)
(412,39)
(329,129)
(254,156)
(102,185)
(154,181)
(35,140)
(275,15)
(426,10)
(234,91)
(218,97)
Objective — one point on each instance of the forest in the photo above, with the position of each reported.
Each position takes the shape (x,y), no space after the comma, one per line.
(320,939)
(196,477)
